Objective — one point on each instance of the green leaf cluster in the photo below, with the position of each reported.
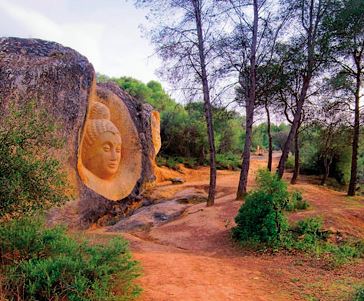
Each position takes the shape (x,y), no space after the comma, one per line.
(40,263)
(260,219)
(296,202)
(31,177)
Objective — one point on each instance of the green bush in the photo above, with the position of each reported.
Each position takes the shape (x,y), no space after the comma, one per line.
(30,177)
(228,161)
(290,162)
(257,220)
(310,226)
(296,202)
(308,235)
(41,263)
(260,219)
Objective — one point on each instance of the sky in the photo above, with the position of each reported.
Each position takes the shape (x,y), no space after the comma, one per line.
(105,31)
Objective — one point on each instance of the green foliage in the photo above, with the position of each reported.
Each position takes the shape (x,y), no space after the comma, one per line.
(223,161)
(152,92)
(279,135)
(359,294)
(290,162)
(271,184)
(183,133)
(310,226)
(260,218)
(315,147)
(30,177)
(296,202)
(41,263)
(308,235)
(228,161)
(173,162)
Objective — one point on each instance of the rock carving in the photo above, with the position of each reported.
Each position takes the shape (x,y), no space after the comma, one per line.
(110,152)
(102,143)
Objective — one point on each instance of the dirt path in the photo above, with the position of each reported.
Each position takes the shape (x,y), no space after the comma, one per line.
(193,258)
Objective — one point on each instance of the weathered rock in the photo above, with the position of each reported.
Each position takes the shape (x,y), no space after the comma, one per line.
(141,114)
(177,180)
(147,217)
(62,82)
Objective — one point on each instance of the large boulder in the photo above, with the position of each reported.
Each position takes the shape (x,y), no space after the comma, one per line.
(109,135)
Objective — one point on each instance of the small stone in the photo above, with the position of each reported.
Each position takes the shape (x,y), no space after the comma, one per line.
(177,180)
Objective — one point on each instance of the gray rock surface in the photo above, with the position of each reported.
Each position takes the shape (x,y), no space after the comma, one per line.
(147,217)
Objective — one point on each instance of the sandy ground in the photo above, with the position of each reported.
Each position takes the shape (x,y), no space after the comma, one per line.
(193,257)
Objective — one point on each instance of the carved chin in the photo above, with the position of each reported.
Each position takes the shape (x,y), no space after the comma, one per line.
(108,173)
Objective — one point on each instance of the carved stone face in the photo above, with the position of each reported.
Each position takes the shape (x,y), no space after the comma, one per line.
(104,155)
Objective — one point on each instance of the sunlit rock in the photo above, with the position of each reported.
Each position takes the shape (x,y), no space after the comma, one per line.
(108,152)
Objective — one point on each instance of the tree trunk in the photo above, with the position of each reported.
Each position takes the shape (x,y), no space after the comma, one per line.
(294,127)
(270,144)
(207,103)
(250,103)
(355,144)
(243,180)
(312,32)
(327,171)
(296,170)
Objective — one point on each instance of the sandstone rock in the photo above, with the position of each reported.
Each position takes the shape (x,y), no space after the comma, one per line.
(62,82)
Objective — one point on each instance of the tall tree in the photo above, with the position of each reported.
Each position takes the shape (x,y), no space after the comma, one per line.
(184,42)
(347,26)
(309,45)
(249,107)
(249,45)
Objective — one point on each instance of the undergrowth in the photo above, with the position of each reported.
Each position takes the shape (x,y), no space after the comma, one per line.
(223,161)
(40,263)
(296,202)
(261,223)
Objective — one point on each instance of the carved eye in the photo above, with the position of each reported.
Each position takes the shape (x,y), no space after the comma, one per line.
(106,148)
(118,149)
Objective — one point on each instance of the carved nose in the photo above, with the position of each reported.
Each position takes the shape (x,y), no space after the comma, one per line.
(113,155)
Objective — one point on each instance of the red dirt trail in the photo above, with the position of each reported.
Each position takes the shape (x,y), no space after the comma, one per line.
(193,258)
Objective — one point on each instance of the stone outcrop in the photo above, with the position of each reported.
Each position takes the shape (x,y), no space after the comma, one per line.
(109,141)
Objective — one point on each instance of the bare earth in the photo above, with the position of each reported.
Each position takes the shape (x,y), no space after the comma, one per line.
(193,258)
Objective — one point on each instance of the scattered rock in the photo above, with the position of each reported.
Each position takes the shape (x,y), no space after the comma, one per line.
(177,180)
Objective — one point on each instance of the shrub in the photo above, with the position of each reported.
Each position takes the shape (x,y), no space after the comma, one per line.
(296,202)
(272,185)
(310,226)
(43,263)
(290,162)
(257,220)
(30,177)
(260,218)
(307,233)
(228,161)
(309,236)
